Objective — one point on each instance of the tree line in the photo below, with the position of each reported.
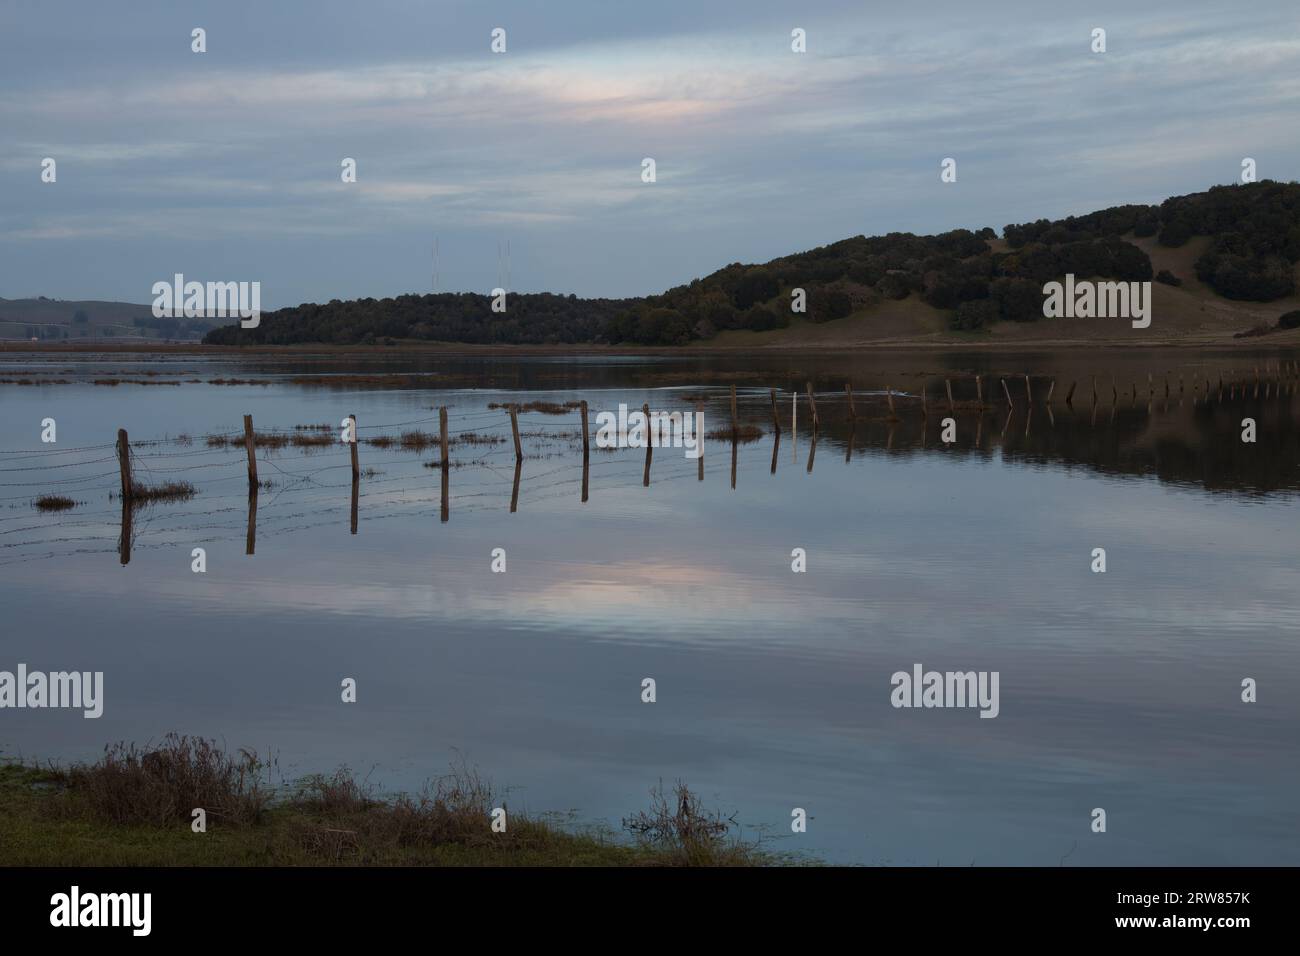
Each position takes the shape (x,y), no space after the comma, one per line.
(1254,232)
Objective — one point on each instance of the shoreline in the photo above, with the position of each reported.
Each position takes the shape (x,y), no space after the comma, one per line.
(1279,342)
(186,803)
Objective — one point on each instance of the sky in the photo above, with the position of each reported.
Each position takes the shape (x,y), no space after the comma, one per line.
(225,165)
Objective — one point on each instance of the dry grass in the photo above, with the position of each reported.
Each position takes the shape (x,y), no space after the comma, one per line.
(134,807)
(546,408)
(163,785)
(167,491)
(475,438)
(681,833)
(308,437)
(53,503)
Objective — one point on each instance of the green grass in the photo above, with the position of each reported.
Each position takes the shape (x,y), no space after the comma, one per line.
(127,811)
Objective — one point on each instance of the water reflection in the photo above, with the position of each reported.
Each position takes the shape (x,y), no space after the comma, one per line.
(1118,690)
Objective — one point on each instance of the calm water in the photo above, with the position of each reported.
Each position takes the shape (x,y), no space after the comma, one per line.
(1118,690)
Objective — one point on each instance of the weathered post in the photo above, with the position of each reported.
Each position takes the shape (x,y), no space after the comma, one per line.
(124,465)
(586,451)
(514,428)
(250,541)
(853,414)
(356,495)
(250,445)
(699,432)
(649,443)
(124,536)
(446,464)
(776,419)
(812,403)
(356,463)
(586,436)
(735,426)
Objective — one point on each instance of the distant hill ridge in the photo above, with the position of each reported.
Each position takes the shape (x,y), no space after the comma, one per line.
(1214,255)
(65,319)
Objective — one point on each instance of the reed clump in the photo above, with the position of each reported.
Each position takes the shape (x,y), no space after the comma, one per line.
(546,408)
(162,785)
(54,503)
(166,491)
(680,832)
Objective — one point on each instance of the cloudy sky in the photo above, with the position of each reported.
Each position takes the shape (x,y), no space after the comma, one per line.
(226,165)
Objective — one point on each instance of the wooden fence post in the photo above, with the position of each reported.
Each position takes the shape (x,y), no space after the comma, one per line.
(1069,396)
(948,384)
(586,436)
(735,427)
(889,396)
(442,433)
(356,494)
(586,451)
(649,442)
(699,432)
(776,419)
(1029,392)
(250,445)
(979,391)
(514,427)
(812,403)
(250,539)
(356,440)
(124,465)
(1006,391)
(125,535)
(853,414)
(446,464)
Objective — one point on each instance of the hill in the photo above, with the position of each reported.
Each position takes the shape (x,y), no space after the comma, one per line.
(1223,261)
(60,320)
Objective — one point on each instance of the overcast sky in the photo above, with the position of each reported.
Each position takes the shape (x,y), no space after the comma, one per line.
(225,165)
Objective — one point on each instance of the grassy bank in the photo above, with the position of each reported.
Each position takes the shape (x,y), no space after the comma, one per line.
(134,807)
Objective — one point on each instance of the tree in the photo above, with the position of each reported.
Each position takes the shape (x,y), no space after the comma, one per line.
(1175,233)
(757,285)
(975,314)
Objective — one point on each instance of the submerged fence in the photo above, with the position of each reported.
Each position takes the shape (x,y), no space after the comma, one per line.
(162,471)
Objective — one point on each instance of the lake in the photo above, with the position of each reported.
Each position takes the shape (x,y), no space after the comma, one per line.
(1119,690)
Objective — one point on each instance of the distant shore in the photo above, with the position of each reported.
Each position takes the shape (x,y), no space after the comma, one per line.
(1279,342)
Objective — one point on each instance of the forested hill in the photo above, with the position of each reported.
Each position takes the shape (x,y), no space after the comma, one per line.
(975,279)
